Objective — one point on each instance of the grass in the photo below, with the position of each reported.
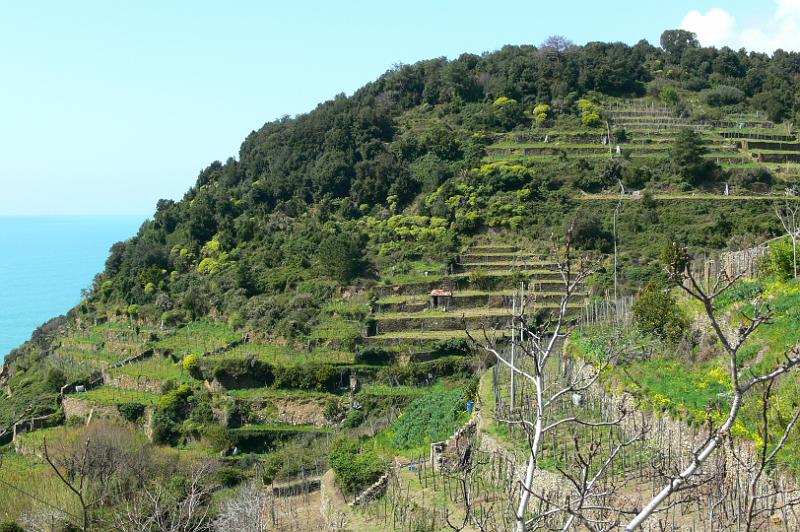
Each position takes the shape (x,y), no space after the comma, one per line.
(337,330)
(23,480)
(155,367)
(198,338)
(411,272)
(285,355)
(509,263)
(433,335)
(255,394)
(385,390)
(110,396)
(689,389)
(432,417)
(279,427)
(435,313)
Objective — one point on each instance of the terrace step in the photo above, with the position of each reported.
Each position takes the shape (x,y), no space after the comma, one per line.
(426,337)
(468,299)
(494,248)
(505,265)
(443,321)
(748,144)
(544,281)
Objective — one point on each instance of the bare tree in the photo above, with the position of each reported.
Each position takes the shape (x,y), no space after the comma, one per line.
(536,347)
(73,471)
(557,43)
(742,380)
(245,511)
(158,509)
(765,459)
(789,215)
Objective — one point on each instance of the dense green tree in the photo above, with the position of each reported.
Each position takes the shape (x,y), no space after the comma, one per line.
(676,42)
(686,155)
(341,258)
(656,312)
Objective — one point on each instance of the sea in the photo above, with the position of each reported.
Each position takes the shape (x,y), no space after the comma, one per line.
(45,261)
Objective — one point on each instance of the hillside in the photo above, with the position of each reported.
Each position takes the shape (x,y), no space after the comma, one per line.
(327,280)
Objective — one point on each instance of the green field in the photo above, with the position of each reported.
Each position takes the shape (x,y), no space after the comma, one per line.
(198,338)
(109,396)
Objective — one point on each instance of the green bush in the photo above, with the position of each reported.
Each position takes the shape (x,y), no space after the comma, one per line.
(308,377)
(590,113)
(131,411)
(229,476)
(55,379)
(341,258)
(191,363)
(242,373)
(10,526)
(655,312)
(417,373)
(355,469)
(175,403)
(354,419)
(722,95)
(165,430)
(780,260)
(373,355)
(217,438)
(75,421)
(541,113)
(429,419)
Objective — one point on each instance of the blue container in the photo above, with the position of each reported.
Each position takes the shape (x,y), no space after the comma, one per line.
(470,406)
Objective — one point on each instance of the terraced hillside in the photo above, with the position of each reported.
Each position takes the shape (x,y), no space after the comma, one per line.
(476,294)
(648,131)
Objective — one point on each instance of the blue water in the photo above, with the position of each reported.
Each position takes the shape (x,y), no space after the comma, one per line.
(45,261)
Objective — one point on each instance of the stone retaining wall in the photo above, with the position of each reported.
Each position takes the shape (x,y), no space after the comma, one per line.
(376,490)
(129,382)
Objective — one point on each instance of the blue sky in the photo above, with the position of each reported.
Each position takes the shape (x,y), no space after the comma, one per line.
(106,107)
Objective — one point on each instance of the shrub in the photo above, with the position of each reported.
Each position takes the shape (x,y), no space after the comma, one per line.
(686,155)
(354,469)
(131,411)
(239,372)
(428,419)
(655,312)
(10,526)
(482,281)
(332,410)
(75,421)
(341,258)
(55,379)
(373,355)
(175,403)
(217,438)
(202,413)
(541,113)
(722,95)
(354,419)
(229,476)
(780,260)
(590,113)
(190,363)
(588,233)
(669,95)
(164,430)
